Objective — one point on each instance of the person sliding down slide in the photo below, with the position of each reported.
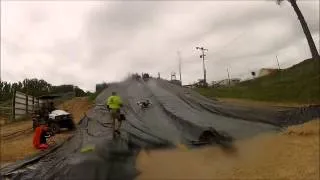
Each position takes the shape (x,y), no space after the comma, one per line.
(40,137)
(144,104)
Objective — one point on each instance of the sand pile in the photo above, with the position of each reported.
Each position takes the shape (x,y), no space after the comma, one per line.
(77,107)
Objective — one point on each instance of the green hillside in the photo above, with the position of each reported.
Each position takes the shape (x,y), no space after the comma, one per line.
(299,83)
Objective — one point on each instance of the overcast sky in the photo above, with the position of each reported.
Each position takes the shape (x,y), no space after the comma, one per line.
(87,42)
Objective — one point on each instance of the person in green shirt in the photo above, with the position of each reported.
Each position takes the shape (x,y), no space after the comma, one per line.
(114,103)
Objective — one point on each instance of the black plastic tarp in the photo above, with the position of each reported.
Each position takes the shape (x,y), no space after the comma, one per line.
(177,115)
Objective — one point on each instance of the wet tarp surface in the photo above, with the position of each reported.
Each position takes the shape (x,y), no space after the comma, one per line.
(177,115)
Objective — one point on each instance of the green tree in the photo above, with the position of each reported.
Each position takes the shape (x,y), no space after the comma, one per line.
(36,87)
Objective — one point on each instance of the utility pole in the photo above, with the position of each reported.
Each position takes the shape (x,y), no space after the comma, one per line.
(202,49)
(0,70)
(74,90)
(228,76)
(179,57)
(279,68)
(278,62)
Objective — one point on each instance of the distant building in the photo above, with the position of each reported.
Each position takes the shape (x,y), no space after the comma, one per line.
(226,82)
(177,82)
(266,71)
(201,83)
(188,86)
(198,84)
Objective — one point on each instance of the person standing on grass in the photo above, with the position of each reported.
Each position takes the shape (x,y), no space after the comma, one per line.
(114,103)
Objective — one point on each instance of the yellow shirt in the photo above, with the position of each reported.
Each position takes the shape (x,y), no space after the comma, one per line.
(114,102)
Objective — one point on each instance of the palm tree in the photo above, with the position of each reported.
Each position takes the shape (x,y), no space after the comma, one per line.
(312,46)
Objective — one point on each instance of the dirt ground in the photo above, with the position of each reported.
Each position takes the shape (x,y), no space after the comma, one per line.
(77,107)
(3,120)
(292,154)
(19,147)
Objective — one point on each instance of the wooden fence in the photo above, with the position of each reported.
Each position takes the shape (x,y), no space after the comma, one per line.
(23,104)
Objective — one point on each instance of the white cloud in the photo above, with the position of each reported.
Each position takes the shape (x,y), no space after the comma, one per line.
(87,42)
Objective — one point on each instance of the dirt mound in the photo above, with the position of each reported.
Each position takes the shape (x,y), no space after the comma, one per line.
(307,129)
(77,107)
(293,154)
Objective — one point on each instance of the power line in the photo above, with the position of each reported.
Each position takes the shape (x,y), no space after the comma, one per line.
(223,47)
(233,40)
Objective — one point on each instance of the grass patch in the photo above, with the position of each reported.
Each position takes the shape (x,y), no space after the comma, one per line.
(300,83)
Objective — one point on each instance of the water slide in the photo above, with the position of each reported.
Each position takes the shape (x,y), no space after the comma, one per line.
(177,116)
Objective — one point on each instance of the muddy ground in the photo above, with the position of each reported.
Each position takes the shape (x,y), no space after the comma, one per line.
(293,154)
